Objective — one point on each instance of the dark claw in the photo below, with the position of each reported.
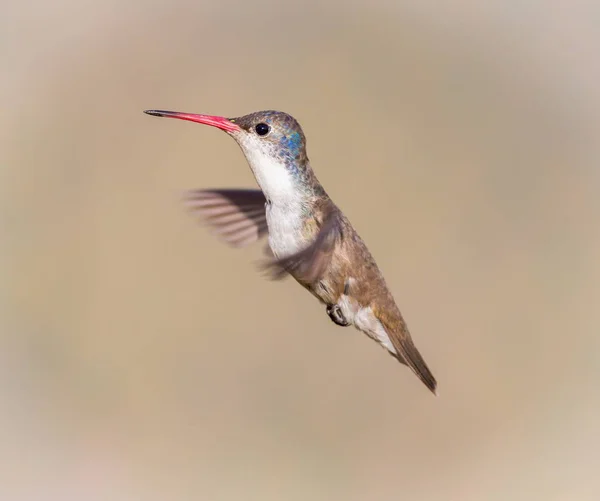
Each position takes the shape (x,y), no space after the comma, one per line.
(335,313)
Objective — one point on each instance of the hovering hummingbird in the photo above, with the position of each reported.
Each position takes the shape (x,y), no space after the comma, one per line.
(309,236)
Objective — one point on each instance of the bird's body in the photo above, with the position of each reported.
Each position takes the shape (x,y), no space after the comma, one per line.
(309,237)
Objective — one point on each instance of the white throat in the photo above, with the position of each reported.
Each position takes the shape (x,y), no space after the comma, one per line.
(275,181)
(284,201)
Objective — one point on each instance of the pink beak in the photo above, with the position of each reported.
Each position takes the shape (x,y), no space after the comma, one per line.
(219,122)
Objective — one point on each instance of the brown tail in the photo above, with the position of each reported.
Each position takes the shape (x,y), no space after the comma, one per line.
(406,351)
(409,355)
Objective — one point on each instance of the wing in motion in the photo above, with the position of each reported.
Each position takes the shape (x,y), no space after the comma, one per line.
(235,216)
(309,264)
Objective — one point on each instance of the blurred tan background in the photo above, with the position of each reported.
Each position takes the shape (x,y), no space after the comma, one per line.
(140,359)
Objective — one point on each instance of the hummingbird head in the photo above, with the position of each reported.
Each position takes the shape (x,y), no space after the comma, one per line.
(274,145)
(272,132)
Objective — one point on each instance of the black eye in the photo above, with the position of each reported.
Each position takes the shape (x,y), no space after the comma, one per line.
(262,129)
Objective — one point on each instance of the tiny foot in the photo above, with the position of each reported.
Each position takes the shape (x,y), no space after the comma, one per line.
(335,313)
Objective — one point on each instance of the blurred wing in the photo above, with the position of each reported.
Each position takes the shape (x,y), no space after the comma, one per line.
(309,264)
(235,216)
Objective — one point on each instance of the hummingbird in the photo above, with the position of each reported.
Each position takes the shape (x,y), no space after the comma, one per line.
(309,237)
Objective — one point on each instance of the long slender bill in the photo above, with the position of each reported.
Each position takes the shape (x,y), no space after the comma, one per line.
(219,122)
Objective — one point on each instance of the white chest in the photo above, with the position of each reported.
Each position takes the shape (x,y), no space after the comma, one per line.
(284,210)
(285,230)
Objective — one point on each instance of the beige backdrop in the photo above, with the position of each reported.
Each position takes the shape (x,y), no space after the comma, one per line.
(140,359)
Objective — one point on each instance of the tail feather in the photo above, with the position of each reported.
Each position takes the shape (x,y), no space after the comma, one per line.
(406,351)
(409,354)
